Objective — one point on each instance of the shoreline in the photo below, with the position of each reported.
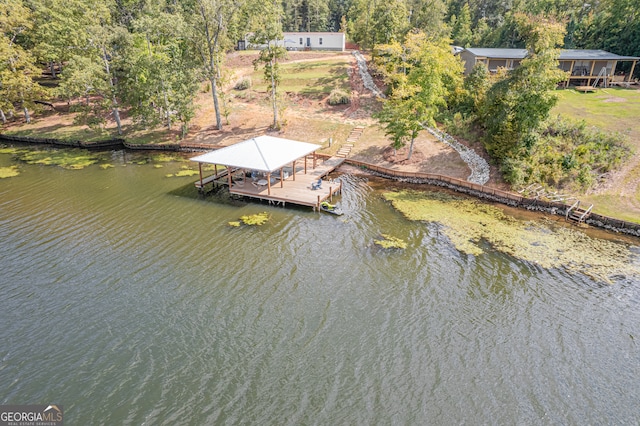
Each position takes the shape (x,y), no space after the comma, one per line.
(468,188)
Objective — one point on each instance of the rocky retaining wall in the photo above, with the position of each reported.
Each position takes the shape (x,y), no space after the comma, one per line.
(108,143)
(499,196)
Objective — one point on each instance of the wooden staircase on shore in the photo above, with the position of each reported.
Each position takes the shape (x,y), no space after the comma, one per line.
(354,135)
(577,214)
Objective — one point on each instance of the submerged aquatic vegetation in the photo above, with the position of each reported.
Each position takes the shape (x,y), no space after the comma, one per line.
(468,222)
(70,159)
(255,219)
(10,150)
(234,224)
(166,158)
(106,166)
(183,173)
(390,242)
(211,167)
(7,172)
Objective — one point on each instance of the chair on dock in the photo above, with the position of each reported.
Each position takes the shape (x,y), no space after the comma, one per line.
(316,185)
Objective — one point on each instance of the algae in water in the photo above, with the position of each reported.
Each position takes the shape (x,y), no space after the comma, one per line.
(8,172)
(183,173)
(387,241)
(70,159)
(255,219)
(468,222)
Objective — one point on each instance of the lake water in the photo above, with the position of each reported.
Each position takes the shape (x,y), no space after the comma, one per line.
(128,299)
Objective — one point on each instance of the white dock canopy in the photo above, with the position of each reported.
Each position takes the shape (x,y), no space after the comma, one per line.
(262,153)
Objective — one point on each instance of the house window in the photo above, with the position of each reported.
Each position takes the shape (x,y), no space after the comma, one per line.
(320,41)
(300,41)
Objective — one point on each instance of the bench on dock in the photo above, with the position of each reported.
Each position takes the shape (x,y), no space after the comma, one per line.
(205,181)
(213,177)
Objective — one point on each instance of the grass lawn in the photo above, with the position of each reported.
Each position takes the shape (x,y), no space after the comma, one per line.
(313,79)
(615,110)
(612,109)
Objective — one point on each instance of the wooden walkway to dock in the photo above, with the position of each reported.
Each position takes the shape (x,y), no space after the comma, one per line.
(295,189)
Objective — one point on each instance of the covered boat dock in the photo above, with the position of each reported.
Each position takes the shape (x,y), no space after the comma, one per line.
(273,169)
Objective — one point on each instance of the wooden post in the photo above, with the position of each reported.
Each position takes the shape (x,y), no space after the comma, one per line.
(294,170)
(612,73)
(282,178)
(570,73)
(633,67)
(330,195)
(593,65)
(268,183)
(318,203)
(200,169)
(305,164)
(314,159)
(228,177)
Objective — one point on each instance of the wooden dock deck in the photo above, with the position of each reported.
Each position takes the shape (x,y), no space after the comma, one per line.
(295,189)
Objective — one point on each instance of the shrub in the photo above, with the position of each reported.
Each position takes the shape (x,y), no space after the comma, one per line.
(565,155)
(243,84)
(339,97)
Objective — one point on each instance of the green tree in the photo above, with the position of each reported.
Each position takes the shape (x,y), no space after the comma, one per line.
(516,106)
(269,33)
(428,16)
(317,15)
(461,32)
(360,22)
(59,31)
(423,80)
(613,25)
(159,78)
(390,22)
(471,98)
(373,22)
(107,43)
(338,10)
(213,29)
(82,77)
(18,69)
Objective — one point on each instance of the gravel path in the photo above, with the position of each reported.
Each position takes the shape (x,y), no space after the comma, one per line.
(479,167)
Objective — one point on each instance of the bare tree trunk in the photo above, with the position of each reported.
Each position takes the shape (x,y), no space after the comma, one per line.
(114,101)
(274,100)
(166,106)
(52,66)
(2,117)
(27,117)
(413,138)
(116,114)
(216,103)
(167,112)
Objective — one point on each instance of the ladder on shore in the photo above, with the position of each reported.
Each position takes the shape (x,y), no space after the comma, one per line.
(602,74)
(577,214)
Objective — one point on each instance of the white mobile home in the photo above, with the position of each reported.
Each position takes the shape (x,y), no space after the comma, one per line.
(314,41)
(303,41)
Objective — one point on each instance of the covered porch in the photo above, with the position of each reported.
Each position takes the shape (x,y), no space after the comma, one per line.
(596,67)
